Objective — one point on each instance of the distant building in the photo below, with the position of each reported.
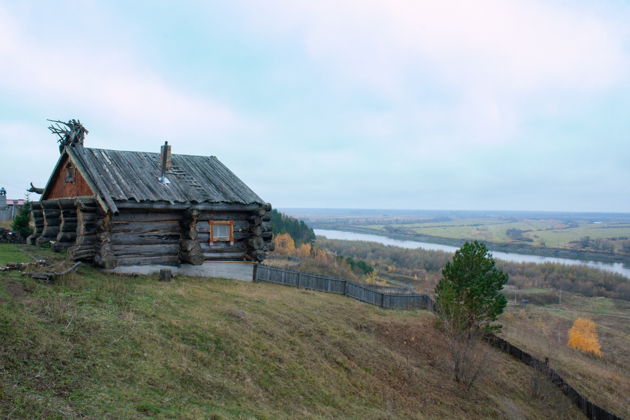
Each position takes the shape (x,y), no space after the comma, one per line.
(8,208)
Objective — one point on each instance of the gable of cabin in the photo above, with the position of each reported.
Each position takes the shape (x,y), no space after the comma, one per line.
(67,181)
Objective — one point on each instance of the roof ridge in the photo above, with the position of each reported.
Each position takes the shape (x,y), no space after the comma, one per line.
(152,153)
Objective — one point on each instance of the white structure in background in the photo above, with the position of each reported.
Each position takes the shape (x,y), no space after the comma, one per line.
(8,208)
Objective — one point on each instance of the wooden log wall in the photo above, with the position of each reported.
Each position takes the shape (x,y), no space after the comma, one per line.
(104,255)
(252,234)
(84,248)
(223,250)
(150,236)
(261,240)
(189,247)
(52,222)
(146,237)
(37,217)
(68,227)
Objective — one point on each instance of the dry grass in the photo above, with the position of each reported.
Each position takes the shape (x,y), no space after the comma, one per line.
(96,345)
(543,332)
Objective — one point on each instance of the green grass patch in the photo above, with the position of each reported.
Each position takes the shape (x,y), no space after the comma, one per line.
(11,253)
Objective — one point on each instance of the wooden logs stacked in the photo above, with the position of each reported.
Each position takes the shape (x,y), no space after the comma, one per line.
(37,216)
(104,256)
(142,237)
(52,221)
(68,227)
(233,250)
(260,241)
(189,249)
(84,247)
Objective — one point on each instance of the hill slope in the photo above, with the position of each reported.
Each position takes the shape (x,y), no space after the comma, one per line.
(95,345)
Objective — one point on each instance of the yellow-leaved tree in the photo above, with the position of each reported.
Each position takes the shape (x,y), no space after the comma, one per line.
(304,251)
(284,244)
(583,337)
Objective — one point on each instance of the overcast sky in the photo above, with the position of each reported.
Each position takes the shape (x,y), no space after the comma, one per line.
(506,105)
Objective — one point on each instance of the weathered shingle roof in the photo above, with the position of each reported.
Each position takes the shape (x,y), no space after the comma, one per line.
(134,176)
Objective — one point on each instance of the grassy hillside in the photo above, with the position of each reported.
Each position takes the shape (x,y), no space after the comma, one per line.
(130,347)
(542,331)
(540,327)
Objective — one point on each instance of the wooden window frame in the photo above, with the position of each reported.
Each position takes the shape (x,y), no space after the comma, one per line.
(71,173)
(229,223)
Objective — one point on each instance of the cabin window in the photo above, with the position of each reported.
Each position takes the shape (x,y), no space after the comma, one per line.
(70,173)
(222,231)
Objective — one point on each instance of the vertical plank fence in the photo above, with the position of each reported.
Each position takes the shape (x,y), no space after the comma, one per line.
(590,409)
(383,296)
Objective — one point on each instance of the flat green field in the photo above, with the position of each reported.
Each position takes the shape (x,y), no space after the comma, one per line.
(610,235)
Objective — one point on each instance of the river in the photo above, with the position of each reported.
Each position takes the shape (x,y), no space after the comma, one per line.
(618,268)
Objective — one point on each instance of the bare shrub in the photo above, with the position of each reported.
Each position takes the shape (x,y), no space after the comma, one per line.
(469,355)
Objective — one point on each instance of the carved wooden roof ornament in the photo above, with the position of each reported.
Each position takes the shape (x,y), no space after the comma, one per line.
(35,190)
(70,133)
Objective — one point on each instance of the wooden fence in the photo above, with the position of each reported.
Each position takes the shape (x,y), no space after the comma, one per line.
(403,298)
(590,409)
(383,296)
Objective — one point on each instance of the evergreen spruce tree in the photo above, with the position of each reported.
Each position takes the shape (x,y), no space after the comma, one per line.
(468,303)
(297,229)
(21,221)
(468,296)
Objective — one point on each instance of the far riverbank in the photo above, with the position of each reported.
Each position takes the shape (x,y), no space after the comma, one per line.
(573,254)
(518,257)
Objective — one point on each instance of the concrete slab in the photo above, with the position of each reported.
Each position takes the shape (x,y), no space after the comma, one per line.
(243,271)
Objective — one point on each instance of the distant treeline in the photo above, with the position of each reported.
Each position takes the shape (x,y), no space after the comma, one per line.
(580,279)
(518,235)
(425,266)
(299,231)
(619,244)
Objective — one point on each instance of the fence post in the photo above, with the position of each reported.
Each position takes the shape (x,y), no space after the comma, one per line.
(299,280)
(345,287)
(382,299)
(255,271)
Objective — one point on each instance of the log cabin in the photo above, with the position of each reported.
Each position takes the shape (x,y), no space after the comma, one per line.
(119,208)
